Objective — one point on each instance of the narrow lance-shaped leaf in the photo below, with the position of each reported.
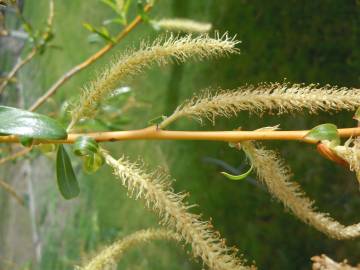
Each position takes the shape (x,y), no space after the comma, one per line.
(15,121)
(66,179)
(238,177)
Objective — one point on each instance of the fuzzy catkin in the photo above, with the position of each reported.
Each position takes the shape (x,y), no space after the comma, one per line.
(182,25)
(112,254)
(323,262)
(276,98)
(159,196)
(275,175)
(161,51)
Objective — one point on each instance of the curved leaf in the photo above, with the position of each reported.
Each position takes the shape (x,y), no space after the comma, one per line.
(66,179)
(84,146)
(238,177)
(323,132)
(26,141)
(14,121)
(92,163)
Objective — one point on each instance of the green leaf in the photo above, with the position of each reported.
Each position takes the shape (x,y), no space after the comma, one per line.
(120,20)
(33,125)
(89,27)
(111,4)
(94,38)
(26,141)
(93,162)
(157,120)
(47,148)
(141,11)
(88,148)
(84,146)
(238,177)
(126,6)
(103,32)
(323,132)
(66,179)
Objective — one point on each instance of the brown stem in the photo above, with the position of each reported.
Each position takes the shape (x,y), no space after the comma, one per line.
(16,68)
(154,133)
(34,50)
(15,155)
(88,61)
(9,189)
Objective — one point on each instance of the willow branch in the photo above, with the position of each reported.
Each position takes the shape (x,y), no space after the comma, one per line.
(153,133)
(9,189)
(15,155)
(69,74)
(34,50)
(16,68)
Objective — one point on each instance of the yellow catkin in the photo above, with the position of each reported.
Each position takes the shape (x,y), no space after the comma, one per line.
(162,51)
(159,196)
(276,98)
(275,175)
(111,255)
(182,25)
(323,262)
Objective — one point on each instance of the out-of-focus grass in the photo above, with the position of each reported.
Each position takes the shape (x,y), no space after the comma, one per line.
(303,42)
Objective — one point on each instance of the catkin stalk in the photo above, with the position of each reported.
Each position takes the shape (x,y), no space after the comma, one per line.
(159,196)
(275,175)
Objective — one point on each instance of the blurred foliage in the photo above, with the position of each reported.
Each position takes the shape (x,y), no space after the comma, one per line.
(302,41)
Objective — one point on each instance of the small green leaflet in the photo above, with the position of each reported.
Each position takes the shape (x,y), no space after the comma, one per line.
(103,32)
(14,121)
(85,146)
(157,120)
(111,4)
(26,141)
(66,179)
(88,148)
(141,11)
(238,177)
(93,162)
(323,132)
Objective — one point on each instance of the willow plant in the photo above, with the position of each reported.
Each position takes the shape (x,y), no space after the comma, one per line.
(154,188)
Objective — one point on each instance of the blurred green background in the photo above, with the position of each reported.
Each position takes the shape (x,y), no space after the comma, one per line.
(298,41)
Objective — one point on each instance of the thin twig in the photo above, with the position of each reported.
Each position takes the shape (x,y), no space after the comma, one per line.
(34,50)
(69,74)
(9,189)
(77,68)
(15,155)
(154,133)
(16,68)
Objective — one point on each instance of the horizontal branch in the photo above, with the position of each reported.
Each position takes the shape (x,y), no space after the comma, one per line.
(153,133)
